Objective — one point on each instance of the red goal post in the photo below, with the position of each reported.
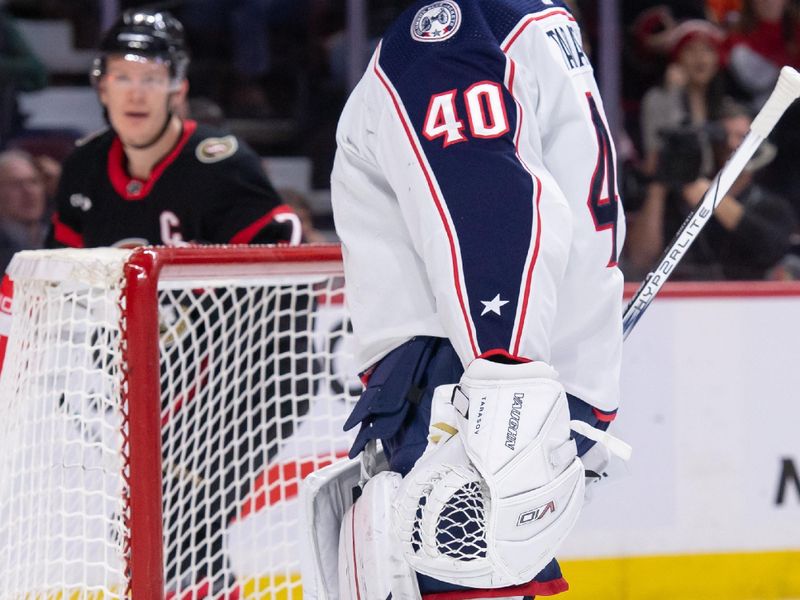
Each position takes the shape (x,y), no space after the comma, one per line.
(158,408)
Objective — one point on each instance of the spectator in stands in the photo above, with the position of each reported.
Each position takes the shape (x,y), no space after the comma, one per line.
(725,13)
(749,233)
(692,90)
(648,27)
(20,71)
(22,204)
(767,38)
(652,22)
(50,169)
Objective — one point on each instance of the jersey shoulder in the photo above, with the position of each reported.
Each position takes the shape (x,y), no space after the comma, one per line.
(430,28)
(104,133)
(219,160)
(96,142)
(89,152)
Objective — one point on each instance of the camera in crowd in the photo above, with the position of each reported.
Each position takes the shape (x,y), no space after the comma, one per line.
(686,151)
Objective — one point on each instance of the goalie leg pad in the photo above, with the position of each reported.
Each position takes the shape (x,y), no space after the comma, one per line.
(489,506)
(371,563)
(325,497)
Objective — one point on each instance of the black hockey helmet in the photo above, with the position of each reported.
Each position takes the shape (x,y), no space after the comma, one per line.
(147,33)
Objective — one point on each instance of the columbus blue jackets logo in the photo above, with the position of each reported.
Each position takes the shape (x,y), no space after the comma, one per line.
(436,22)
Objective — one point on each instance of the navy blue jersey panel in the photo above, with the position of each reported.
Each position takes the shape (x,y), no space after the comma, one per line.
(502,16)
(480,19)
(486,189)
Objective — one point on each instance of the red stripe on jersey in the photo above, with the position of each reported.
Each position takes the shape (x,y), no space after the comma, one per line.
(530,20)
(512,71)
(122,181)
(246,235)
(529,277)
(504,354)
(64,234)
(605,417)
(534,588)
(436,199)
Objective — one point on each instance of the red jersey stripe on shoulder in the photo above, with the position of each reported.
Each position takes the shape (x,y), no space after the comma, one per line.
(436,199)
(64,234)
(531,19)
(246,235)
(122,181)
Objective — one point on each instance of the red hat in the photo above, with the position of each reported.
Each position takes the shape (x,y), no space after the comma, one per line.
(694,29)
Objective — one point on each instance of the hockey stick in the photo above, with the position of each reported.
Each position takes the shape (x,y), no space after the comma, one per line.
(786,91)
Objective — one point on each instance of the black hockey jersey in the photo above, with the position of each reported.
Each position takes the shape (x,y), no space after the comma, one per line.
(209,189)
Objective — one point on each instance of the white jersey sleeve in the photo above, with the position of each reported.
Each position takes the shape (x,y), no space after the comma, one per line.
(474,187)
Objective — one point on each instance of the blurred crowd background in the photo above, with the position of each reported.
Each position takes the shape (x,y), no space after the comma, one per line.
(682,81)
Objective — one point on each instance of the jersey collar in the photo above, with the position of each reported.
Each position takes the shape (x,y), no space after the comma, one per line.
(131,188)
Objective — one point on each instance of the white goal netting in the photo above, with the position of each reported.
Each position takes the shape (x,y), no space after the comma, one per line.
(251,370)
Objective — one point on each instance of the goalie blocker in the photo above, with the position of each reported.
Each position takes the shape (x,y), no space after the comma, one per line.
(473,502)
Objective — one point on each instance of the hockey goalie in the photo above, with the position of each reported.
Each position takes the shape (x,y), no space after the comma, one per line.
(474,192)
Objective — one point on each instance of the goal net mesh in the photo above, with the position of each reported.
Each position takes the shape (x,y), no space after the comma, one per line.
(252,372)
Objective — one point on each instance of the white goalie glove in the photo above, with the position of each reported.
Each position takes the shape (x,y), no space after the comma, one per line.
(496,491)
(500,485)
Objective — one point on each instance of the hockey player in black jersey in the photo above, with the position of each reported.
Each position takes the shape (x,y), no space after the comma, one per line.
(152,178)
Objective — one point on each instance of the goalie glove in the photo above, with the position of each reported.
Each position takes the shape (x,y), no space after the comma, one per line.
(496,493)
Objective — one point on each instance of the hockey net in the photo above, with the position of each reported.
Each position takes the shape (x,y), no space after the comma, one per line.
(158,409)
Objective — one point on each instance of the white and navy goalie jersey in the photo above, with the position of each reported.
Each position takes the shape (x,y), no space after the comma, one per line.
(475,195)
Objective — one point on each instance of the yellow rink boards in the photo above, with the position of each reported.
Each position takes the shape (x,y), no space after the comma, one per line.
(757,576)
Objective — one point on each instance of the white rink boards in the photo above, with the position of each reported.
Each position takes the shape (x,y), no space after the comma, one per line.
(709,505)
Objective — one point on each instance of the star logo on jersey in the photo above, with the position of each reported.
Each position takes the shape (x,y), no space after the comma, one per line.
(436,22)
(494,305)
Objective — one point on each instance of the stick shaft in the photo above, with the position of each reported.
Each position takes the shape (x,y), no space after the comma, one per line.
(786,91)
(688,231)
